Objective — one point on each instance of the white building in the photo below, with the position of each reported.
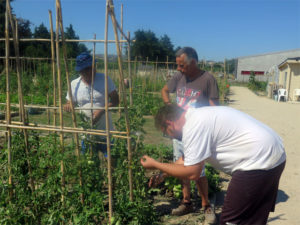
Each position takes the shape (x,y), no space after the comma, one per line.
(261,64)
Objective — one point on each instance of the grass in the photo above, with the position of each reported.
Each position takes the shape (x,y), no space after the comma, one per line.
(153,136)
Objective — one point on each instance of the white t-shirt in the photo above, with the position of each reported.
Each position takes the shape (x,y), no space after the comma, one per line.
(81,94)
(230,140)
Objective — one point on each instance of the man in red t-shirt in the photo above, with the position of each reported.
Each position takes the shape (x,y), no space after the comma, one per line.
(194,88)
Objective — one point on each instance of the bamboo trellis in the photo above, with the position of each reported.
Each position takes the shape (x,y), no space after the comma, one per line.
(57,77)
(58,43)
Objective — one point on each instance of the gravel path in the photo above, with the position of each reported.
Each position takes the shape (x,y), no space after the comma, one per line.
(284,118)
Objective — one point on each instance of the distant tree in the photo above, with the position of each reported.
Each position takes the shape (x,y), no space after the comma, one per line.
(177,49)
(41,32)
(148,45)
(167,49)
(2,17)
(24,30)
(73,48)
(39,49)
(231,66)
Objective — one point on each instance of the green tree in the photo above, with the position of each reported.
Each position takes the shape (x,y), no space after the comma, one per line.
(2,26)
(167,49)
(73,48)
(148,45)
(39,49)
(23,30)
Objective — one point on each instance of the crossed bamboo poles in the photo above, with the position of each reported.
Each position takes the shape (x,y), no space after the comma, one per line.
(24,126)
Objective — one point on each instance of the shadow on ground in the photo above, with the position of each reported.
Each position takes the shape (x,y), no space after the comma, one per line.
(281,196)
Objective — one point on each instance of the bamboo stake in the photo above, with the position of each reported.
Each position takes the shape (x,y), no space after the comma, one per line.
(155,73)
(34,68)
(129,70)
(20,93)
(71,59)
(135,62)
(225,75)
(92,90)
(8,116)
(109,170)
(53,66)
(121,46)
(47,110)
(113,18)
(62,170)
(66,40)
(65,130)
(167,65)
(145,72)
(70,94)
(121,28)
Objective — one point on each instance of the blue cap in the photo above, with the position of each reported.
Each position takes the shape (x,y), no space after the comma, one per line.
(83,61)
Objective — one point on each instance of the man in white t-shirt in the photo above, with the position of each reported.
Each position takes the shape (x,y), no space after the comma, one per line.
(233,142)
(82,92)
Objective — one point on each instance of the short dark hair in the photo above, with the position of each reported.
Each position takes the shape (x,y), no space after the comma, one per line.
(190,53)
(170,112)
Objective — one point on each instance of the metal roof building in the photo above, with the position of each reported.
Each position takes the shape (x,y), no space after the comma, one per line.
(261,64)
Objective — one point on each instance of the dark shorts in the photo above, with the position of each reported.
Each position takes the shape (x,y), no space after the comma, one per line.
(251,196)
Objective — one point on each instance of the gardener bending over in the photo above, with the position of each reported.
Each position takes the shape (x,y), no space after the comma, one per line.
(233,142)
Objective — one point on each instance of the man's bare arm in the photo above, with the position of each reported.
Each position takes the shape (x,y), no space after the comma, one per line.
(165,94)
(176,170)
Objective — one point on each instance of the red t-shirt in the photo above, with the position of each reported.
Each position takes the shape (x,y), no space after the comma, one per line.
(194,93)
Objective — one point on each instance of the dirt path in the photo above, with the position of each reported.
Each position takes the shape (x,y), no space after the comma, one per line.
(284,118)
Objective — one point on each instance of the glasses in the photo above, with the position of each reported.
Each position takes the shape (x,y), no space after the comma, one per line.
(165,132)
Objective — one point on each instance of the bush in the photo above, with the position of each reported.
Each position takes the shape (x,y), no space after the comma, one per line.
(255,85)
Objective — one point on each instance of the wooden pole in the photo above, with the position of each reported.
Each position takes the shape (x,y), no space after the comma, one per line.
(145,77)
(8,116)
(167,64)
(47,110)
(121,81)
(14,27)
(61,135)
(155,74)
(77,151)
(32,126)
(92,89)
(53,66)
(109,170)
(121,46)
(66,40)
(113,18)
(129,69)
(135,71)
(225,75)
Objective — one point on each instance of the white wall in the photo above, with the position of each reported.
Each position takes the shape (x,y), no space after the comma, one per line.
(262,63)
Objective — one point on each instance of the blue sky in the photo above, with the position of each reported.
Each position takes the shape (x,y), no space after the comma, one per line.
(217,29)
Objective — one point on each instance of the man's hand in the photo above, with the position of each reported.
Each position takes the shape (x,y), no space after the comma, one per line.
(156,180)
(147,162)
(67,107)
(165,95)
(97,115)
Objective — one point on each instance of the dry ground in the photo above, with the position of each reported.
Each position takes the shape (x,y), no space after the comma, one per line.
(284,118)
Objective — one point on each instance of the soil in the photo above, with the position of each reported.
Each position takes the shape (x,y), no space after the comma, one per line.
(284,118)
